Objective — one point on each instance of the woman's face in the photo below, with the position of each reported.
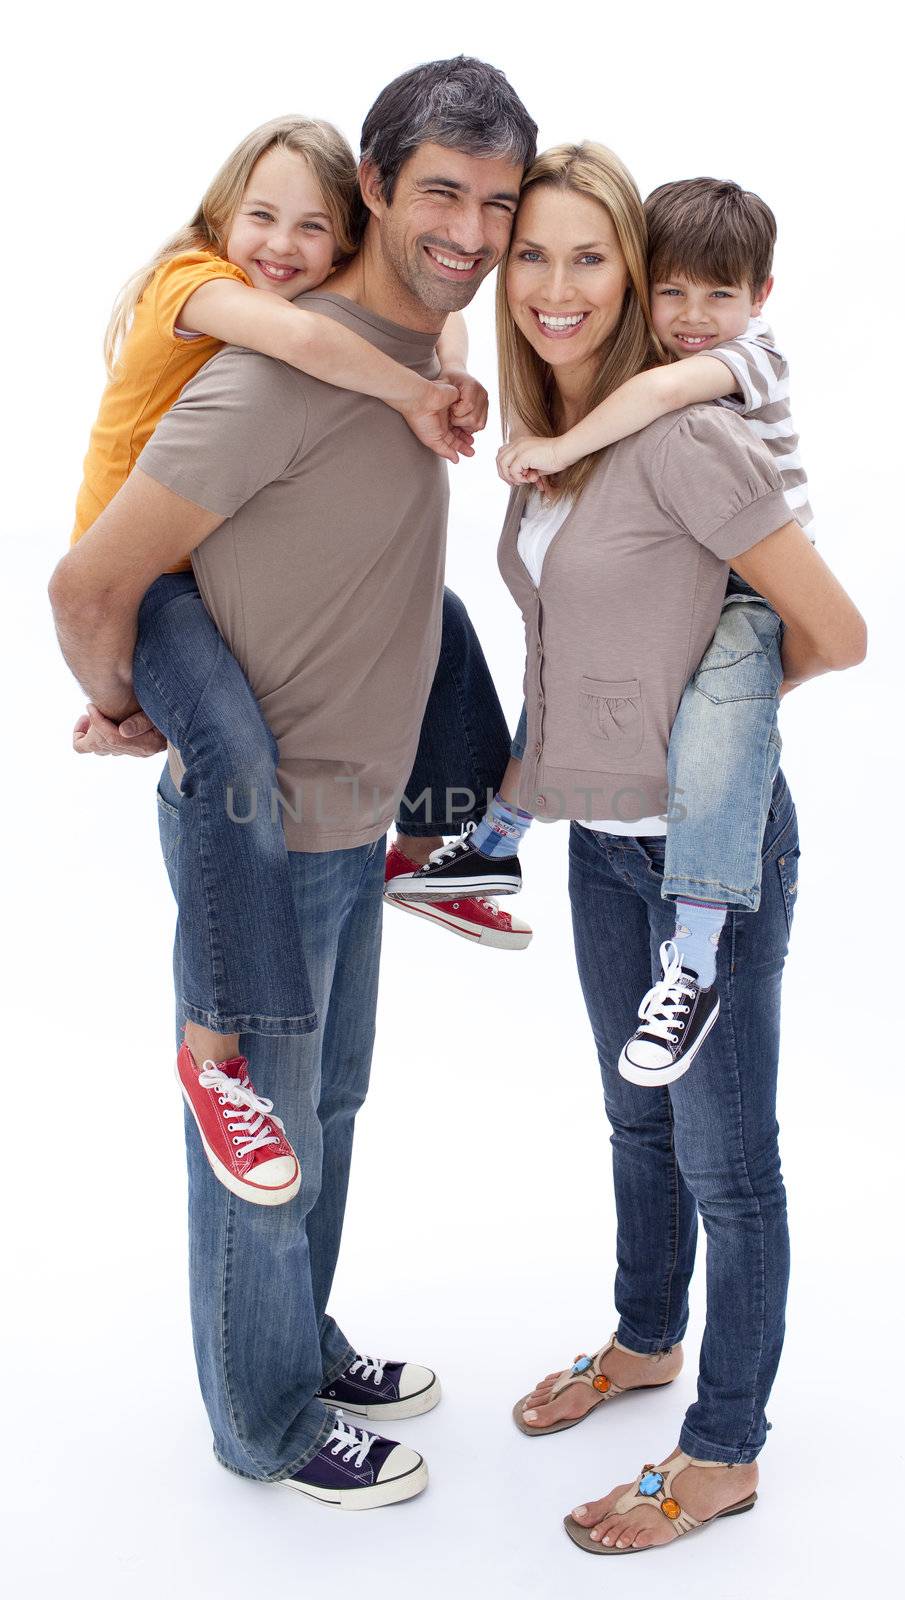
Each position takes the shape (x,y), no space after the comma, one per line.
(566,277)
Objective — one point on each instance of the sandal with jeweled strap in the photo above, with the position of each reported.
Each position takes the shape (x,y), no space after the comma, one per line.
(653,1487)
(586,1370)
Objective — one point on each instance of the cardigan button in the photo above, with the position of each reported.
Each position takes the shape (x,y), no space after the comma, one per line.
(540,800)
(538,748)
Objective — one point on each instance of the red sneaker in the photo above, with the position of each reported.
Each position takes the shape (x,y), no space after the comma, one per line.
(244,1143)
(474,917)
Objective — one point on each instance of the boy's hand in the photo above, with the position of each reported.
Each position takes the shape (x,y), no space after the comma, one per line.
(530,460)
(95,735)
(432,420)
(470,410)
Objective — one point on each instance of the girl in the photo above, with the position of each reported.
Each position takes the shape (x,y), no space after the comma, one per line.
(279,215)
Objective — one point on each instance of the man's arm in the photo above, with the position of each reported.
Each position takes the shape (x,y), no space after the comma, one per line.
(97,588)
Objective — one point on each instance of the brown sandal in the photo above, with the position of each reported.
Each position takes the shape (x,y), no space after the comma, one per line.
(653,1487)
(586,1370)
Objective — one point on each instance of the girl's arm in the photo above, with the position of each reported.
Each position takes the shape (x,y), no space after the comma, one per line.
(824,631)
(470,410)
(628,409)
(259,320)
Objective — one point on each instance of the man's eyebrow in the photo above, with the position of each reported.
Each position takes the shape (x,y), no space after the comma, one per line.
(463,188)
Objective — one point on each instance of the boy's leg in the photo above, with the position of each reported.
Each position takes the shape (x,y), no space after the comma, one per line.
(464,744)
(723,756)
(243,968)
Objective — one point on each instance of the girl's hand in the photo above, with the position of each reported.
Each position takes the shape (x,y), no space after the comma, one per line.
(470,410)
(432,419)
(530,461)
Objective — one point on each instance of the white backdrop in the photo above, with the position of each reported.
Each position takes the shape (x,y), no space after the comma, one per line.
(480,1228)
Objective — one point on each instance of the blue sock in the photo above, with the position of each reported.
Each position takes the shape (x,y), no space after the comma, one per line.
(699,924)
(501,829)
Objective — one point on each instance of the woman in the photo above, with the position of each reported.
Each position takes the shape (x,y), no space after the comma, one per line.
(620,590)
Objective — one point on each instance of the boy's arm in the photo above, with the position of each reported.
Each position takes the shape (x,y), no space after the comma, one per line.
(258,320)
(627,410)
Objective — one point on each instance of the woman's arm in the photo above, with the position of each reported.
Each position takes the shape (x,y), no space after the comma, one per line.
(627,410)
(824,630)
(259,320)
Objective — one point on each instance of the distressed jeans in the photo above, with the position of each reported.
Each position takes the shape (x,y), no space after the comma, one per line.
(260,1276)
(705,1146)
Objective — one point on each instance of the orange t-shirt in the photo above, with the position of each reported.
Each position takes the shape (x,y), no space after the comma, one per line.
(154,366)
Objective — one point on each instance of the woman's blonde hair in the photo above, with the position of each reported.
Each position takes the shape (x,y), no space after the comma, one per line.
(526,382)
(333,165)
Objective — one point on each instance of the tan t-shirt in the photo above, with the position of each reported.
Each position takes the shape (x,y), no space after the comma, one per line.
(326,581)
(629,596)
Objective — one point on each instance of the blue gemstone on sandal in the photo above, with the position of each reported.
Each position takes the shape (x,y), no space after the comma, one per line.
(582,1364)
(650,1483)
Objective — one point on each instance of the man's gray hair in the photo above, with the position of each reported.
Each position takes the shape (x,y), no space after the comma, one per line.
(464,104)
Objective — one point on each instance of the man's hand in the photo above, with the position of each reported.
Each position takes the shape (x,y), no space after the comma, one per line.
(95,735)
(470,410)
(431,419)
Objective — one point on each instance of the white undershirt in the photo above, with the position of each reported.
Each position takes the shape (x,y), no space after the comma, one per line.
(541,521)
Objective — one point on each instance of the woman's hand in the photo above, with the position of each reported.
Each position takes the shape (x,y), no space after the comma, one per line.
(530,460)
(432,419)
(96,735)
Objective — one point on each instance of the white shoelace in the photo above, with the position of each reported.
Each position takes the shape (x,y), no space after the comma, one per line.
(447,852)
(369,1367)
(352,1444)
(251,1131)
(664,1004)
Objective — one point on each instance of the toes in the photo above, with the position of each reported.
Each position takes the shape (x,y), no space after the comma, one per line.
(645,1537)
(541,1416)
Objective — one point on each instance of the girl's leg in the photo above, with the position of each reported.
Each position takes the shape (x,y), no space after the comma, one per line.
(242,965)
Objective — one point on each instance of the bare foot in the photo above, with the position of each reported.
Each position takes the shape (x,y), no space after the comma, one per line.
(417,849)
(621,1366)
(701,1491)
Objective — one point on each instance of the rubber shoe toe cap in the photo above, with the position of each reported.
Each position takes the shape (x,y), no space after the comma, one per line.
(399,1463)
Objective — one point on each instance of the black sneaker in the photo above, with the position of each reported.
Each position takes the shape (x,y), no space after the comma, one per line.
(676,1016)
(460,869)
(388,1390)
(358,1471)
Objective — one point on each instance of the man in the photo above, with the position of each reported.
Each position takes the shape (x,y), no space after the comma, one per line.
(317,523)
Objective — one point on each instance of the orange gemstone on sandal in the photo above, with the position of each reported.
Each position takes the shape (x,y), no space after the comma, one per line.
(602,1383)
(671,1509)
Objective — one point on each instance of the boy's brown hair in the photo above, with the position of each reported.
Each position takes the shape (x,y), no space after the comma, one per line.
(711,231)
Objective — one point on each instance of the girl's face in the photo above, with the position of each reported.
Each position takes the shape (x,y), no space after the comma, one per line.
(566,277)
(282,236)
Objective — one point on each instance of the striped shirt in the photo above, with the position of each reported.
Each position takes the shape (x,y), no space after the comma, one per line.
(762,374)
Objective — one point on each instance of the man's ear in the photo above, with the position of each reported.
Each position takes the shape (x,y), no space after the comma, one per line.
(760,297)
(371,186)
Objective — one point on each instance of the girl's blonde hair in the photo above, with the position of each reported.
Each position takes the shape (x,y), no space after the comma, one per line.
(526,382)
(333,165)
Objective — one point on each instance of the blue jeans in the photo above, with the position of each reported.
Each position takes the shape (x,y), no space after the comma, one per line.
(242,967)
(724,749)
(464,745)
(708,1144)
(260,1276)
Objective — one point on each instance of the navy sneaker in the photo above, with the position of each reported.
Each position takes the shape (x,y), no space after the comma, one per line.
(358,1471)
(386,1389)
(676,1016)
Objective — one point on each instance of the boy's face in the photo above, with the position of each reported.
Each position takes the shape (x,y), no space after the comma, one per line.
(690,318)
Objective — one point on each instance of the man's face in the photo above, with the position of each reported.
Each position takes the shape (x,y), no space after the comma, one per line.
(448,224)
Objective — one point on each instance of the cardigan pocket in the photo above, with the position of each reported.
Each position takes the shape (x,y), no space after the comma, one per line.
(612,714)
